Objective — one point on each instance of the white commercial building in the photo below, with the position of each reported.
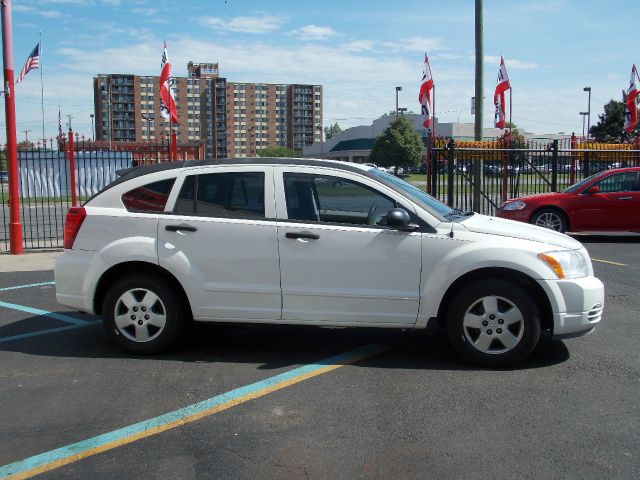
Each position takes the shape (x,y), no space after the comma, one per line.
(355,143)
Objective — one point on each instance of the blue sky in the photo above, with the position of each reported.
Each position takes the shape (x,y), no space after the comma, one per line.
(359,51)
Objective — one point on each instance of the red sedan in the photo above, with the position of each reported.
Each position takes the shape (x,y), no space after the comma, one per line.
(606,201)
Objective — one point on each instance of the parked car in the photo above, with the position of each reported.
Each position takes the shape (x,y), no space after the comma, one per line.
(310,242)
(606,201)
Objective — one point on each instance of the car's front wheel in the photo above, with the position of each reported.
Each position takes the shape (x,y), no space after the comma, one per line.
(550,218)
(493,323)
(143,314)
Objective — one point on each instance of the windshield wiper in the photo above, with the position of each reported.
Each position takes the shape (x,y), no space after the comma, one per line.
(456,212)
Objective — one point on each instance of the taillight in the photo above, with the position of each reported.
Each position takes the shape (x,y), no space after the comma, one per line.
(75,217)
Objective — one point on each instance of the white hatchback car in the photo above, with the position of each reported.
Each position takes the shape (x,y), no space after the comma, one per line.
(311,242)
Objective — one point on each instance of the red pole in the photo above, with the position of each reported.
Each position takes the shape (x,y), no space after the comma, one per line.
(433,113)
(505,167)
(510,111)
(173,147)
(427,161)
(72,169)
(15,228)
(572,167)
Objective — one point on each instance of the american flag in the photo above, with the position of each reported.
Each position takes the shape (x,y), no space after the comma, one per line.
(32,62)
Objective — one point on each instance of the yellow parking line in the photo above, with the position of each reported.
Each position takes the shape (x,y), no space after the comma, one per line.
(53,459)
(609,262)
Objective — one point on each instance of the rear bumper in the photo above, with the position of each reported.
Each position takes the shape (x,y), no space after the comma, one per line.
(577,305)
(72,289)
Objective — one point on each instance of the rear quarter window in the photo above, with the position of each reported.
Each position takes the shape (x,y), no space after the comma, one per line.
(149,198)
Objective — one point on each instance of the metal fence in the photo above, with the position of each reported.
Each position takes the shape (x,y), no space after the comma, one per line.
(47,188)
(512,172)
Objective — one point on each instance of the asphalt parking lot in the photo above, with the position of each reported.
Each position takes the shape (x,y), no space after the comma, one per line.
(301,402)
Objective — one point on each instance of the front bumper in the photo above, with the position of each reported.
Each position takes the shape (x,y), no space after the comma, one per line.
(577,305)
(517,215)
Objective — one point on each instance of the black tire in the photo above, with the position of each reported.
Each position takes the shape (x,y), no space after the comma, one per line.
(550,218)
(508,343)
(170,305)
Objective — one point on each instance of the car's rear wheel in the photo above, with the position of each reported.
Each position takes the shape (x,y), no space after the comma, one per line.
(493,323)
(550,218)
(143,314)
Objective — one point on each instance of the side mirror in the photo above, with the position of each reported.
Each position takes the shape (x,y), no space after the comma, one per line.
(592,190)
(399,219)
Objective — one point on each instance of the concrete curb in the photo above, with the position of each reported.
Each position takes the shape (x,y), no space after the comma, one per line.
(30,261)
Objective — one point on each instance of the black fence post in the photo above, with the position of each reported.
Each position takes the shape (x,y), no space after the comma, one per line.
(434,172)
(450,171)
(554,166)
(586,158)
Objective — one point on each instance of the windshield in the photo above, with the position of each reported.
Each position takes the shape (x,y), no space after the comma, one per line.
(423,199)
(577,186)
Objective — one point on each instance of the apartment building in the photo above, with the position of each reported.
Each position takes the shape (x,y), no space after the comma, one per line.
(231,119)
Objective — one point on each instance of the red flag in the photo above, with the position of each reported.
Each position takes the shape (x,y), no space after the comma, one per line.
(498,97)
(631,110)
(167,97)
(424,96)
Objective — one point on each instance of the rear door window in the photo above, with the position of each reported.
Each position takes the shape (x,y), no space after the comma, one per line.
(222,195)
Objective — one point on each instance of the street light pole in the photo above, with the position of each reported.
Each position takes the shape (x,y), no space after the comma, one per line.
(477,130)
(588,89)
(93,135)
(148,120)
(584,114)
(398,89)
(319,128)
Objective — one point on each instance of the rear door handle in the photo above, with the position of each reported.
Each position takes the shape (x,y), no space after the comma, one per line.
(625,198)
(183,227)
(306,235)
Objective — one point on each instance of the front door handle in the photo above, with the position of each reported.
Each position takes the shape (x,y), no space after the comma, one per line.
(305,235)
(183,227)
(625,198)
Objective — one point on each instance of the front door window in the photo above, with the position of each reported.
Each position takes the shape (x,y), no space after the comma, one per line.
(326,199)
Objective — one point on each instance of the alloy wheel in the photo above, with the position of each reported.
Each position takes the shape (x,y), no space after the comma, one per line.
(493,325)
(140,315)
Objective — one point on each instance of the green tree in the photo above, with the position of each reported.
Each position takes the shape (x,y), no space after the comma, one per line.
(278,152)
(399,146)
(610,126)
(332,131)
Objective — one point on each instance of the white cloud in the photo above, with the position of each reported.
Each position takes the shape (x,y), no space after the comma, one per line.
(245,24)
(36,11)
(313,32)
(415,44)
(358,45)
(510,62)
(147,12)
(65,2)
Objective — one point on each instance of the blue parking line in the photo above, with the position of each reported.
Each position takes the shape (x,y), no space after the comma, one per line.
(30,285)
(58,457)
(46,331)
(43,313)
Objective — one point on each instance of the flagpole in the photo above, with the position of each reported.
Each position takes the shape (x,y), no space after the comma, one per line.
(510,110)
(44,139)
(15,228)
(433,110)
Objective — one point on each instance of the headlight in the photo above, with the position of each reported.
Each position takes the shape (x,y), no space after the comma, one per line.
(514,206)
(565,263)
